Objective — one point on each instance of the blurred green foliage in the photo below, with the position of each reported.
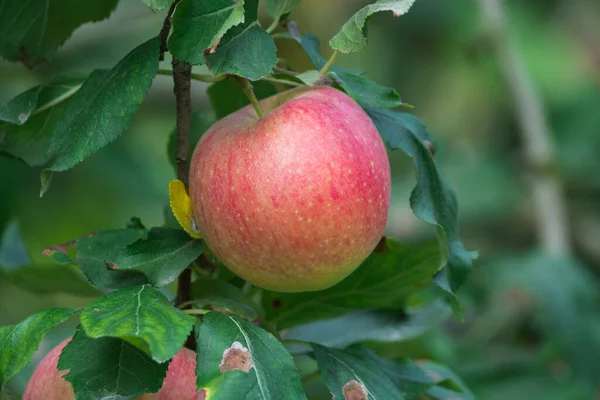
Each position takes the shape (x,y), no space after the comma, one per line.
(532,325)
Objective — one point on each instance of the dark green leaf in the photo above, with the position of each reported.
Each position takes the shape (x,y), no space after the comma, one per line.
(384,280)
(19,342)
(242,361)
(114,369)
(277,8)
(37,99)
(226,96)
(97,254)
(161,255)
(350,377)
(223,296)
(199,123)
(32,31)
(409,378)
(366,91)
(13,253)
(352,36)
(200,25)
(31,141)
(141,315)
(50,279)
(432,200)
(379,326)
(103,107)
(246,50)
(454,387)
(157,5)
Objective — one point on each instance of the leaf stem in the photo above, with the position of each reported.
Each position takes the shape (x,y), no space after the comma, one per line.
(196,311)
(56,101)
(282,81)
(329,63)
(282,35)
(273,25)
(249,92)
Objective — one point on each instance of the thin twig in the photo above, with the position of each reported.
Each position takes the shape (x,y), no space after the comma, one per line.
(164,32)
(547,192)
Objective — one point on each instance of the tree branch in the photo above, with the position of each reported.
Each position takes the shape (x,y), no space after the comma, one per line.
(547,192)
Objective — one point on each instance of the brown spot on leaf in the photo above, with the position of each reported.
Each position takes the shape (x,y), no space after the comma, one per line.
(22,117)
(236,357)
(214,46)
(355,390)
(64,247)
(110,266)
(91,133)
(430,147)
(202,394)
(276,303)
(381,246)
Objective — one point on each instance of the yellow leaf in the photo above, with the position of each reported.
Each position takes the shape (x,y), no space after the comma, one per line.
(181,205)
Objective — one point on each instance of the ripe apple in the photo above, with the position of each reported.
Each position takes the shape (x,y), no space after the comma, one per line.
(47,383)
(297,199)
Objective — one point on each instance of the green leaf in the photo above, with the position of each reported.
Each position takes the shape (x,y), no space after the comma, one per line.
(200,25)
(37,99)
(407,376)
(378,326)
(352,37)
(246,50)
(161,255)
(19,342)
(366,91)
(454,387)
(432,200)
(200,121)
(141,315)
(350,377)
(31,32)
(114,369)
(386,279)
(223,296)
(97,254)
(31,141)
(157,5)
(227,96)
(242,361)
(277,8)
(13,253)
(50,279)
(103,107)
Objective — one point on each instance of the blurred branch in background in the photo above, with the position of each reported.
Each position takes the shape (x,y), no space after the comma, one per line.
(547,192)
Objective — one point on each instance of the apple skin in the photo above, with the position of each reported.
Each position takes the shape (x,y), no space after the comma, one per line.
(296,200)
(47,383)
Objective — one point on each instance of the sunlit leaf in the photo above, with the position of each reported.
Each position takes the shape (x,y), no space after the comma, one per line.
(352,36)
(19,342)
(141,315)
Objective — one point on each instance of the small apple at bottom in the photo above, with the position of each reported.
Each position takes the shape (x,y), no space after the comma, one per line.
(47,383)
(297,199)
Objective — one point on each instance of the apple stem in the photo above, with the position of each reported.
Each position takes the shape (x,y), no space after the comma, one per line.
(329,63)
(249,92)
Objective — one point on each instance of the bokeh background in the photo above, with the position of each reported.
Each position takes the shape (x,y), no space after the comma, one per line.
(532,324)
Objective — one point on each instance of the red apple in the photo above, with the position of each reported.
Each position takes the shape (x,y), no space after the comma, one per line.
(47,383)
(297,199)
